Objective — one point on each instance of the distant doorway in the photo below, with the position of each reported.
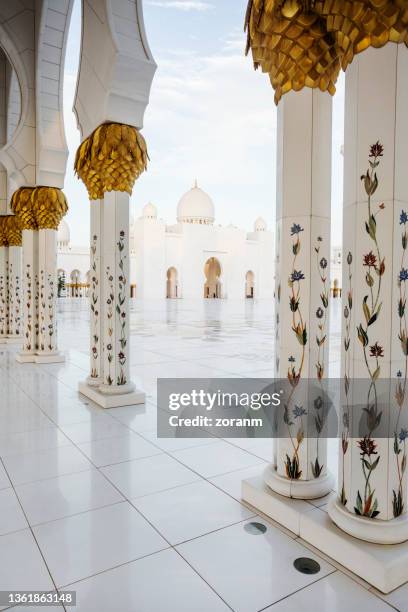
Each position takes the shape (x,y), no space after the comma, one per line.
(75,283)
(249,284)
(212,285)
(172,284)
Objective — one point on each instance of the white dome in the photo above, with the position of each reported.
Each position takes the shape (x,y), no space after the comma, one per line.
(260,225)
(64,234)
(149,211)
(195,206)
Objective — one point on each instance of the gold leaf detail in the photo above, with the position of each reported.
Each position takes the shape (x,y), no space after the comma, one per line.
(304,43)
(111,159)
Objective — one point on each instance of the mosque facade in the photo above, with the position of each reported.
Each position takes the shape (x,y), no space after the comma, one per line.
(193,258)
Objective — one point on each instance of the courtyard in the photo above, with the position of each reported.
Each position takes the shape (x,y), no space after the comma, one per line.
(92,501)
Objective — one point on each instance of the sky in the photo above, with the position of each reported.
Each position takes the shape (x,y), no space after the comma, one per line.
(211,117)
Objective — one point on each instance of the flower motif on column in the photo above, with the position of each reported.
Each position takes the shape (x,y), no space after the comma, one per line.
(3,281)
(51,315)
(321,312)
(366,503)
(17,317)
(400,433)
(347,374)
(94,309)
(36,305)
(121,312)
(109,315)
(42,310)
(294,416)
(3,305)
(321,316)
(28,303)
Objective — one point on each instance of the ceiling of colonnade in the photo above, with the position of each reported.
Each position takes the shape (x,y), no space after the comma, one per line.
(10,99)
(10,112)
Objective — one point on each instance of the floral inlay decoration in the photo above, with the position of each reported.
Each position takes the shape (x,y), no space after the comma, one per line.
(94,310)
(374,264)
(295,416)
(347,313)
(121,309)
(400,433)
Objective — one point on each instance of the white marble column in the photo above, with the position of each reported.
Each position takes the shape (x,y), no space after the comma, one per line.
(372,502)
(4,300)
(30,322)
(15,294)
(47,351)
(110,223)
(299,468)
(95,377)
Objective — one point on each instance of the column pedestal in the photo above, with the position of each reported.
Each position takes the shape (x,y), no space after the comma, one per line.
(106,400)
(379,532)
(298,489)
(383,567)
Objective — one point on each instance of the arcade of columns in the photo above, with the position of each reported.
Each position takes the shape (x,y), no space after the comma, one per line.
(302,45)
(114,80)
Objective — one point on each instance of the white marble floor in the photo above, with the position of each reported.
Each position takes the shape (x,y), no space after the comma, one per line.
(93,501)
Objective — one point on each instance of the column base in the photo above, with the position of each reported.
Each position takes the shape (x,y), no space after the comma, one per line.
(113,389)
(394,531)
(298,489)
(25,357)
(112,400)
(3,340)
(14,340)
(284,510)
(52,358)
(383,567)
(93,382)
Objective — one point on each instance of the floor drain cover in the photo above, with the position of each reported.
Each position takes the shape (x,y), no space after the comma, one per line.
(306,565)
(255,528)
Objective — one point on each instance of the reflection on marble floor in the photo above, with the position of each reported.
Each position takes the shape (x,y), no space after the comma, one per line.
(93,500)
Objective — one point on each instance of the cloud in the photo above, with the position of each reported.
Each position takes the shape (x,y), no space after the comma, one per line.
(211,116)
(182,5)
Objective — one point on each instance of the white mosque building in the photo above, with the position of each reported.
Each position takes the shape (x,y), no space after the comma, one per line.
(193,258)
(196,258)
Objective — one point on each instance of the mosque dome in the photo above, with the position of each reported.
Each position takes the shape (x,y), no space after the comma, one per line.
(64,234)
(195,206)
(260,225)
(149,211)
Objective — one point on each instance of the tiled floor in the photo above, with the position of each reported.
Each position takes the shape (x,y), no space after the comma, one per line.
(94,501)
